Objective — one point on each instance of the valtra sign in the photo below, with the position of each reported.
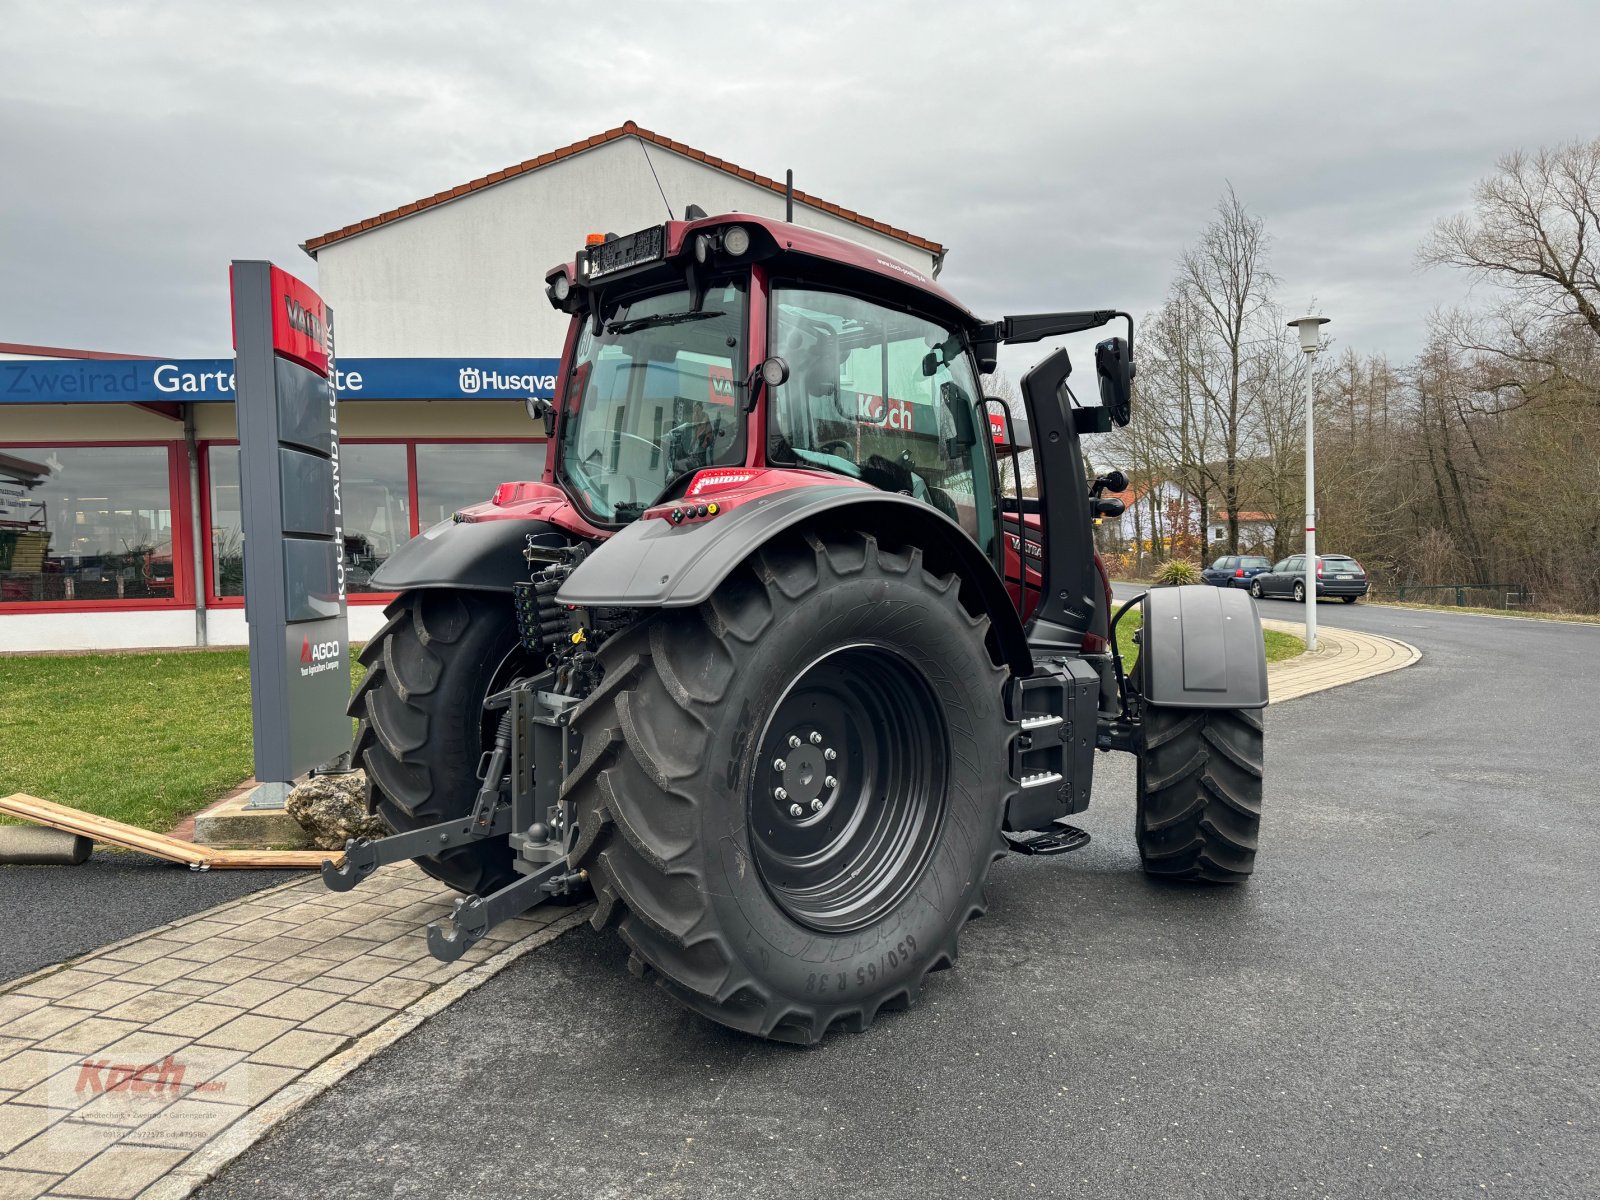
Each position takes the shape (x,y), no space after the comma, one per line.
(293,513)
(299,323)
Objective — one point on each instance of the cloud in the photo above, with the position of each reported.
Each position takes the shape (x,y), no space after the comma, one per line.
(1066,154)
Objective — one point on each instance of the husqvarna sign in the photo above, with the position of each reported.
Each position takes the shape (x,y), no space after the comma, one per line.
(293,511)
(155,380)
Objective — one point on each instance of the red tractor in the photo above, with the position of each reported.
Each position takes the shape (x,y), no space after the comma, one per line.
(777,658)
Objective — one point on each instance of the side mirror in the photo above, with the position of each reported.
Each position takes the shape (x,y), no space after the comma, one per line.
(1113,362)
(544,410)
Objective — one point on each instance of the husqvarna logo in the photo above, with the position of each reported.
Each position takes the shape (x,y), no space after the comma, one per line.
(317,657)
(471,380)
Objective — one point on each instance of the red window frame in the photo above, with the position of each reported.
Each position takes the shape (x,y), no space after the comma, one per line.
(182,542)
(355,598)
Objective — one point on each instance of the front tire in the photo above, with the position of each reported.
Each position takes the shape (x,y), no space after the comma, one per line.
(422,729)
(1199,801)
(780,924)
(1255,589)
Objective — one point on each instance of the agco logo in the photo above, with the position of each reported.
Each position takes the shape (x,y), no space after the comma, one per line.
(318,652)
(317,657)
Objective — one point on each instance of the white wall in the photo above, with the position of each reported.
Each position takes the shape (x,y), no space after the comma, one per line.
(149,630)
(467,277)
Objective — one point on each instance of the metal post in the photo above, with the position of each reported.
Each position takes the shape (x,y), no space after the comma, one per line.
(1310,330)
(1311,512)
(196,533)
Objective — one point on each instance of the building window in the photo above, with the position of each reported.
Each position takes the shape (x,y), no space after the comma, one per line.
(86,523)
(227,538)
(374,491)
(452,476)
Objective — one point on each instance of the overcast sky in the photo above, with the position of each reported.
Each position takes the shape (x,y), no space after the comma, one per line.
(1066,153)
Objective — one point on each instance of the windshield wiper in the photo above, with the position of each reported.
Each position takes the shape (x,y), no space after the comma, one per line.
(660,319)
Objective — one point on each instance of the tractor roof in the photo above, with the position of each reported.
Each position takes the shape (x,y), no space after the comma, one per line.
(825,249)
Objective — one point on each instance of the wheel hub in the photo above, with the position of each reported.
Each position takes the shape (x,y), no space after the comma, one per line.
(808,774)
(848,789)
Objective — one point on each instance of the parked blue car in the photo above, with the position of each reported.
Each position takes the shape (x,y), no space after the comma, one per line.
(1235,570)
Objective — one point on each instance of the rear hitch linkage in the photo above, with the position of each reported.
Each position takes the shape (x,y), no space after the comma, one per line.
(533,729)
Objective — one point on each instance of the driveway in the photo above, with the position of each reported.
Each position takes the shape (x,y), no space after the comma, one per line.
(1402,1002)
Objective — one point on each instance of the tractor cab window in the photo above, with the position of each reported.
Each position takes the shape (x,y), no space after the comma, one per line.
(883,396)
(651,399)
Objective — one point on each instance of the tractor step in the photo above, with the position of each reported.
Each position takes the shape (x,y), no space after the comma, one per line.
(1060,838)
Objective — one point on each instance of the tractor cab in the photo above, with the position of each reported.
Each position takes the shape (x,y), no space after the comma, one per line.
(739,342)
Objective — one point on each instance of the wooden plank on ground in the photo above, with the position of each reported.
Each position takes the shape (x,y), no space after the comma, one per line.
(103,829)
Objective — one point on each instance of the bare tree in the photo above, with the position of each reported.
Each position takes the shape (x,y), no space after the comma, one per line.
(1224,284)
(1535,232)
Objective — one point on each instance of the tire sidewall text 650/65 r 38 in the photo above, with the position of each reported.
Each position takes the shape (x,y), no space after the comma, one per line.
(747,913)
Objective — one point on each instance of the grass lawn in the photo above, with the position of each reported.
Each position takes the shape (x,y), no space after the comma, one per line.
(1279,645)
(141,738)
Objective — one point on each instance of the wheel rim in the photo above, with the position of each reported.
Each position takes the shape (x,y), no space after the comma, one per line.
(1299,592)
(869,816)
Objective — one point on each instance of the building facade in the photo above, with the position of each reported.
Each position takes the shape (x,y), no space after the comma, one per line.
(119,483)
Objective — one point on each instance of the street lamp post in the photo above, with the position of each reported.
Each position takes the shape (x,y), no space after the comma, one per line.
(1310,330)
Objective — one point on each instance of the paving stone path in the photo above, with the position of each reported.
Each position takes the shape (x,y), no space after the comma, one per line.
(138,1070)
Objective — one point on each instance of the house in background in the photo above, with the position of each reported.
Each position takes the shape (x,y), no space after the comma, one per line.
(1255,529)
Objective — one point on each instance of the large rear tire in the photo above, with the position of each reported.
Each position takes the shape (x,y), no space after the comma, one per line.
(422,729)
(769,886)
(1199,804)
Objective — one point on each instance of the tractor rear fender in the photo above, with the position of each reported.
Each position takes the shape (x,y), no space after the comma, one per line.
(655,564)
(480,556)
(1200,647)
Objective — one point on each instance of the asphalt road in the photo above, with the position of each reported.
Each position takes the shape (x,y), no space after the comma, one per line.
(51,914)
(1403,1001)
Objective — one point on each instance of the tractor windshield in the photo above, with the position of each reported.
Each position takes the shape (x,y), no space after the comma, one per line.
(652,398)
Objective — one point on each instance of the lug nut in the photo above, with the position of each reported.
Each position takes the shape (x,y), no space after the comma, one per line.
(816,806)
(779,765)
(794,741)
(830,754)
(830,782)
(780,794)
(796,811)
(816,738)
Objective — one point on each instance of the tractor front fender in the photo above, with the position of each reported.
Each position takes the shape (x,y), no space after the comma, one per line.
(1200,647)
(482,556)
(656,564)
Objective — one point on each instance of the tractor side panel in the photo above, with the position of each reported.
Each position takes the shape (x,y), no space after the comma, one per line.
(1200,647)
(654,563)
